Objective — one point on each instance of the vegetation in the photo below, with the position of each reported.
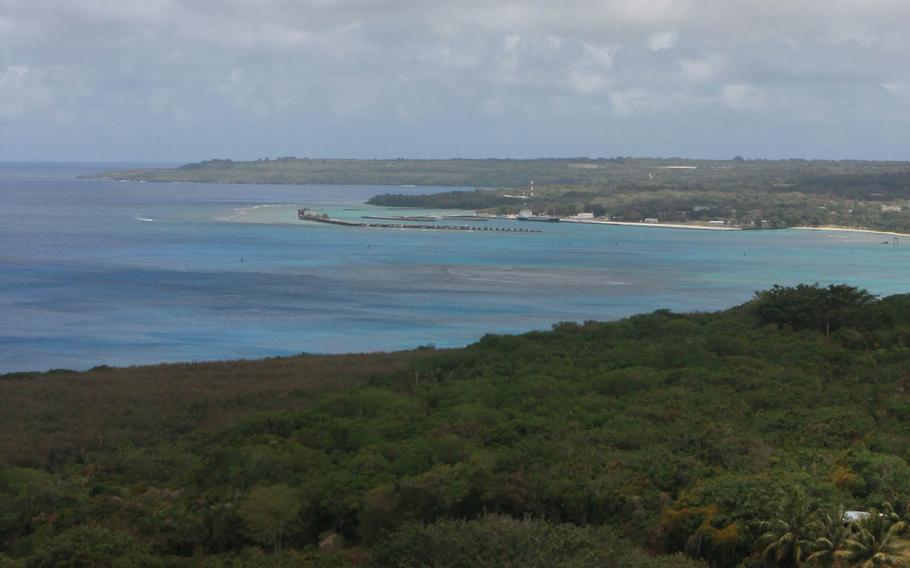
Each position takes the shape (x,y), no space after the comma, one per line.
(743,193)
(668,440)
(760,195)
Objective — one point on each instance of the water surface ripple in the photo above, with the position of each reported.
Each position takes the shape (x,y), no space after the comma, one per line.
(99,272)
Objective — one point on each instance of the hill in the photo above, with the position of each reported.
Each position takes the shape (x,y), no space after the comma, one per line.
(611,444)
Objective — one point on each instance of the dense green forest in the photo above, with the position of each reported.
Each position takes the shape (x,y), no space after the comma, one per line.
(663,440)
(744,193)
(814,176)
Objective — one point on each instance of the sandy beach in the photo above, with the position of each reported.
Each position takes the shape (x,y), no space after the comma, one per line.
(709,228)
(658,225)
(851,230)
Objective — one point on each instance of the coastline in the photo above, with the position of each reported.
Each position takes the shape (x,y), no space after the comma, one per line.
(852,230)
(657,225)
(707,228)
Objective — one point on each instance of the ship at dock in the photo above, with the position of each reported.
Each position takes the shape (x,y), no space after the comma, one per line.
(528,215)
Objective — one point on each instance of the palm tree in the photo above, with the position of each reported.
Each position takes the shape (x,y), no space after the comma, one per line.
(788,539)
(876,542)
(832,536)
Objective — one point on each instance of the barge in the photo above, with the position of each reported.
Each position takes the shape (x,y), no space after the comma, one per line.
(527,215)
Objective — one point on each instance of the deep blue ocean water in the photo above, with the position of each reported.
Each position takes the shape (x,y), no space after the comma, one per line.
(100,272)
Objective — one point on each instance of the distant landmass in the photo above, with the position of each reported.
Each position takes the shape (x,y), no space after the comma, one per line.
(738,193)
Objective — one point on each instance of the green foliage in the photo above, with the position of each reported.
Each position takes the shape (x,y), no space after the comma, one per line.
(676,433)
(57,418)
(89,547)
(788,539)
(875,542)
(749,194)
(256,558)
(503,542)
(831,535)
(7,562)
(814,307)
(267,511)
(476,199)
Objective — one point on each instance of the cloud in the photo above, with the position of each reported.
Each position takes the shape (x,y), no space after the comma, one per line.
(371,71)
(661,41)
(743,98)
(586,81)
(601,55)
(634,100)
(650,12)
(23,90)
(898,89)
(703,69)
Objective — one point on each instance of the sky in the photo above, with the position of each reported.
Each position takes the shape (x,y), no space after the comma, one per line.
(186,80)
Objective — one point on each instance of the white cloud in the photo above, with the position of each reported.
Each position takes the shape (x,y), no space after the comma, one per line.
(22,90)
(626,101)
(601,55)
(899,89)
(662,41)
(585,81)
(650,12)
(704,69)
(509,59)
(350,65)
(743,98)
(511,42)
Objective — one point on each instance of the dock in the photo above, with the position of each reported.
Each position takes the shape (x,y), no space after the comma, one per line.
(464,218)
(401,218)
(307,215)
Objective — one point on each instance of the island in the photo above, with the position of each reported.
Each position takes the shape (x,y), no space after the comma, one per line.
(735,193)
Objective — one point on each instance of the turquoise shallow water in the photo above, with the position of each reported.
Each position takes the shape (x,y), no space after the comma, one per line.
(95,272)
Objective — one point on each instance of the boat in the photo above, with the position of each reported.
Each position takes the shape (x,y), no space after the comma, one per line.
(528,215)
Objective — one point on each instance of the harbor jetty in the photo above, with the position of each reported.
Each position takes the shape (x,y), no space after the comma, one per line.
(466,218)
(401,218)
(307,215)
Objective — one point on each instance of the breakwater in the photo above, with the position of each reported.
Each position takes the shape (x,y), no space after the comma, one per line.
(306,215)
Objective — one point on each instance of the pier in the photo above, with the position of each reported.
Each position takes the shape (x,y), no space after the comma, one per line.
(307,215)
(401,218)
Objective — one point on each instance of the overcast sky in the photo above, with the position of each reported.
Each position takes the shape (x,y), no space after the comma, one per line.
(183,80)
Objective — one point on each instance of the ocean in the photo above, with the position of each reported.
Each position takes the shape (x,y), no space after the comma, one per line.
(101,272)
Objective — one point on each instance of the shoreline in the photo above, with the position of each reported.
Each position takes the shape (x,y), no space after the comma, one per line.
(656,225)
(491,217)
(852,230)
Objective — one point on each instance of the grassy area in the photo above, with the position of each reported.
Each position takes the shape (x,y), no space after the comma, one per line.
(727,438)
